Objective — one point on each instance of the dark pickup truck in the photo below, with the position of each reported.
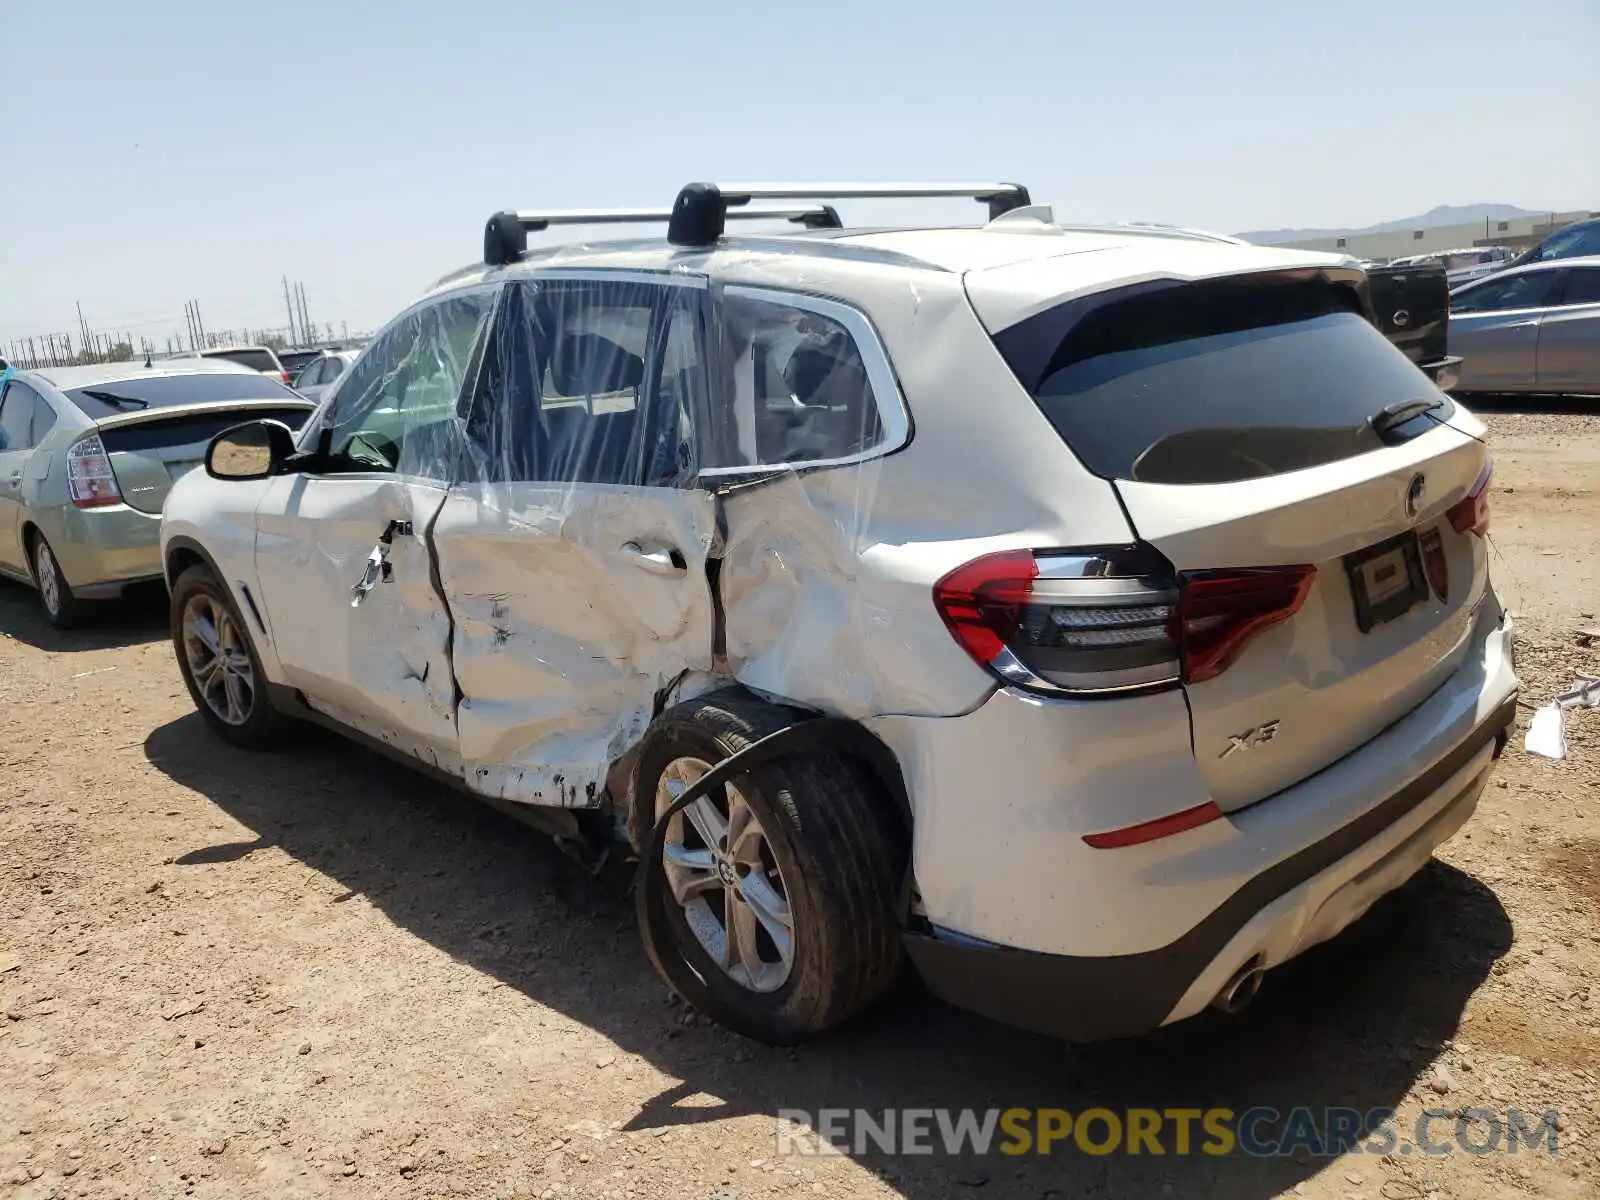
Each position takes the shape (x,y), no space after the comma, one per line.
(1412,305)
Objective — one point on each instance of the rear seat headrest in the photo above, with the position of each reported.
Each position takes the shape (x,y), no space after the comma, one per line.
(588,364)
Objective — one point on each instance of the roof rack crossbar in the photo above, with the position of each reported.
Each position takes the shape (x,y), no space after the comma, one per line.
(699,214)
(505,237)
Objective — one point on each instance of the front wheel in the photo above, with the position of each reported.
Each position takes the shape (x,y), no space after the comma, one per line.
(219,664)
(780,889)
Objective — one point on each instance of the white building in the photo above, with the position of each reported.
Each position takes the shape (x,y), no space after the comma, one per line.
(1518,232)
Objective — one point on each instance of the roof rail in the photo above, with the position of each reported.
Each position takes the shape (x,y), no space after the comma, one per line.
(702,208)
(505,237)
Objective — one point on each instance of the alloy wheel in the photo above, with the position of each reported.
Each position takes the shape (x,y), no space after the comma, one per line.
(218,661)
(723,875)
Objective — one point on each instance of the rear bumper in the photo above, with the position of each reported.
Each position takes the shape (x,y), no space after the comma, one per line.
(1027,924)
(102,550)
(1286,909)
(1445,372)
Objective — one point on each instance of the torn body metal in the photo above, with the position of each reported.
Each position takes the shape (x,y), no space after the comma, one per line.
(574,607)
(382,665)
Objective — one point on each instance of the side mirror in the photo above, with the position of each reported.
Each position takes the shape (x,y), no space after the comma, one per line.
(254,450)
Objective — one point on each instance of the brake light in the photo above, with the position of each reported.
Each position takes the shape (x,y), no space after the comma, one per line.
(1109,619)
(90,480)
(1219,611)
(1084,621)
(1471,513)
(285,375)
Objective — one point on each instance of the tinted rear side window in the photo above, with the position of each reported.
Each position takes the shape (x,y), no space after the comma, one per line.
(182,431)
(1219,381)
(167,391)
(294,360)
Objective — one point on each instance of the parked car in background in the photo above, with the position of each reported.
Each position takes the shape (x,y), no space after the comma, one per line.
(87,455)
(1464,265)
(1533,328)
(1412,305)
(257,358)
(1200,592)
(294,361)
(1581,239)
(322,372)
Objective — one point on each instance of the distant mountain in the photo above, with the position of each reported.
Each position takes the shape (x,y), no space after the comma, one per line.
(1444,214)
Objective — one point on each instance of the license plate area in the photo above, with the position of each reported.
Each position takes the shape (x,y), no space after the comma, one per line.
(1386,580)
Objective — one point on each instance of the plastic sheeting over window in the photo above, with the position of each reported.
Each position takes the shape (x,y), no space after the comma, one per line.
(598,439)
(589,381)
(799,389)
(396,410)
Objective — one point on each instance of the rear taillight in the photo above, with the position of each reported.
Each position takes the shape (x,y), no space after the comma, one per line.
(90,481)
(1471,513)
(1220,611)
(285,375)
(1109,619)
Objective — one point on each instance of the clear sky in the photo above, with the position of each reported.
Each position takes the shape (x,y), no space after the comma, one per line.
(157,150)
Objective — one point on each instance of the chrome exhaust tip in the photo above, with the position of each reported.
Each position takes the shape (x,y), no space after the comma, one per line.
(1240,990)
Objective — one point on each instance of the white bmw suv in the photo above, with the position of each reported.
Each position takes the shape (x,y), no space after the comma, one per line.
(1098,617)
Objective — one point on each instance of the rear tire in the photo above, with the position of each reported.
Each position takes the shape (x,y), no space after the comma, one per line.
(219,663)
(61,608)
(826,843)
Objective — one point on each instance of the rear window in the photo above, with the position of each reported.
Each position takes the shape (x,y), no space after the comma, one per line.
(168,391)
(256,360)
(1217,382)
(186,430)
(292,360)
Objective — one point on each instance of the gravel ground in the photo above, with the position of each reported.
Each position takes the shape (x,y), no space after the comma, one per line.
(316,974)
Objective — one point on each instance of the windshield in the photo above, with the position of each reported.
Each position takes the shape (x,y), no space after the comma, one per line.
(175,391)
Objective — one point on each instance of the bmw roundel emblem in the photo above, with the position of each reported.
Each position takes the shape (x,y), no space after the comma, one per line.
(1414,495)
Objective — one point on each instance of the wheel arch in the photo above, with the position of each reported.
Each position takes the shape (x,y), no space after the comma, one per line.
(181,553)
(30,531)
(850,738)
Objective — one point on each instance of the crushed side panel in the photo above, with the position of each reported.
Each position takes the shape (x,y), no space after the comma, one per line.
(562,639)
(828,568)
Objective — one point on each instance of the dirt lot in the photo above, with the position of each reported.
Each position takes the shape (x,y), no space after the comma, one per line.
(316,974)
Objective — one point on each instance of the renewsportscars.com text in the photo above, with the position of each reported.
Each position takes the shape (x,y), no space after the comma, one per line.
(1259,1132)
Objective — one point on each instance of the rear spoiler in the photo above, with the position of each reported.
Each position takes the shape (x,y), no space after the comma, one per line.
(145,415)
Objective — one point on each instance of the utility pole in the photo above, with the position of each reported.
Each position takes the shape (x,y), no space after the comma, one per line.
(198,322)
(305,317)
(294,339)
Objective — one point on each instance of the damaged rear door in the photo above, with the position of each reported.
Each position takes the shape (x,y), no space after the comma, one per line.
(574,557)
(346,572)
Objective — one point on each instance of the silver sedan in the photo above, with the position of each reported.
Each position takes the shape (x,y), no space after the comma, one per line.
(315,378)
(87,455)
(1530,329)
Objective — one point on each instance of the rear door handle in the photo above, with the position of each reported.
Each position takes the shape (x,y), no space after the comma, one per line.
(377,570)
(657,562)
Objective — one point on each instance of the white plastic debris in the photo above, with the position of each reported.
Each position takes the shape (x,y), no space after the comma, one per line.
(1547,735)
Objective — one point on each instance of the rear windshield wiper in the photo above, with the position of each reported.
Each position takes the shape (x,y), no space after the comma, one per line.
(1388,419)
(117,401)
